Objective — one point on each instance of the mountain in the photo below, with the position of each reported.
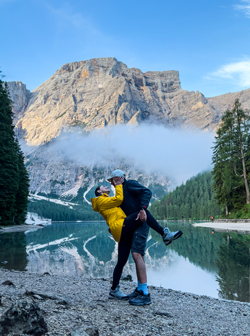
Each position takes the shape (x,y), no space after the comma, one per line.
(226,101)
(82,96)
(100,92)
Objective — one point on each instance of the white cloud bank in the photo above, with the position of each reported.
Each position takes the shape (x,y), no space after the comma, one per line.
(178,154)
(237,72)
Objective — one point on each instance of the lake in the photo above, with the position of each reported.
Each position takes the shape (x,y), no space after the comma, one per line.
(202,261)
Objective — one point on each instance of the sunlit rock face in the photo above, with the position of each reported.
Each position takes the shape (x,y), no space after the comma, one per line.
(99,92)
(226,101)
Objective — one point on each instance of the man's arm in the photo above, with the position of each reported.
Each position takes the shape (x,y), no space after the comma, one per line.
(111,202)
(139,190)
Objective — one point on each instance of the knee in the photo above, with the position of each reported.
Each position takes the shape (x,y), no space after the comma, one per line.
(136,256)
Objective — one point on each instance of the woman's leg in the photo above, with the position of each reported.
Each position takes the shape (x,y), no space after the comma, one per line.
(124,247)
(132,224)
(152,222)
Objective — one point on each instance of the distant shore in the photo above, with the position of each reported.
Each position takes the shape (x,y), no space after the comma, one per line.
(227,225)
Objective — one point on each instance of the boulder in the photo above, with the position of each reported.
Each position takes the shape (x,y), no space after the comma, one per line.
(24,317)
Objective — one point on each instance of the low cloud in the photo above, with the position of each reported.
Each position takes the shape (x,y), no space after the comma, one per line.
(244,8)
(178,154)
(237,72)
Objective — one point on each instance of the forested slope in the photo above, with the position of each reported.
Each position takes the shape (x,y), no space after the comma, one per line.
(192,200)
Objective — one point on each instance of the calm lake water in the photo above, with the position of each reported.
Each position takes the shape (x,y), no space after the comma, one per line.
(201,261)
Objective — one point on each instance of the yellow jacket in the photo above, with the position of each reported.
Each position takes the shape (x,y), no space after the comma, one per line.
(108,207)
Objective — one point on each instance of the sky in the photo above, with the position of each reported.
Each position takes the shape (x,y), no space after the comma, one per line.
(206,41)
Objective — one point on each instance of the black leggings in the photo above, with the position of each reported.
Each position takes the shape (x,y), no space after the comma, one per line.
(129,226)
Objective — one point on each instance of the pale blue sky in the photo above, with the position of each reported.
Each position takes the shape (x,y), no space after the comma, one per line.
(206,41)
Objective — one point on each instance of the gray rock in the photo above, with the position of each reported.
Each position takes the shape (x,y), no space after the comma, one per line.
(47,295)
(127,278)
(92,331)
(223,102)
(103,91)
(23,317)
(162,313)
(20,97)
(8,283)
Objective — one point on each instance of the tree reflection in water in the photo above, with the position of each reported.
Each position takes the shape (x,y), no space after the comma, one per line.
(234,267)
(77,249)
(13,251)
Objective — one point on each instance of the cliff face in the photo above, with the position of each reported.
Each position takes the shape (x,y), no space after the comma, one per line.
(226,101)
(100,92)
(20,97)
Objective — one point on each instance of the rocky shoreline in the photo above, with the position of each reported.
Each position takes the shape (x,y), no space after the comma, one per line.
(80,306)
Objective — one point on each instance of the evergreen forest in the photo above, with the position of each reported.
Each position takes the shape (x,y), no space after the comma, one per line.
(193,200)
(14,180)
(59,212)
(231,159)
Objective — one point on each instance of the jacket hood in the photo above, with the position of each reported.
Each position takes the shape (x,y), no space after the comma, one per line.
(94,202)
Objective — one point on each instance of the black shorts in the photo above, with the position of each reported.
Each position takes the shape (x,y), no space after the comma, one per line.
(139,240)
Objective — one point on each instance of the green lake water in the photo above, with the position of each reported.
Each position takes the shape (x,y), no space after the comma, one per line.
(202,261)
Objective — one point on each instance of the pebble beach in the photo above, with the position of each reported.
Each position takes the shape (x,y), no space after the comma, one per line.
(75,306)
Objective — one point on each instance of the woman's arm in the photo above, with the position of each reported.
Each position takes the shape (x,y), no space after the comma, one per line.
(111,202)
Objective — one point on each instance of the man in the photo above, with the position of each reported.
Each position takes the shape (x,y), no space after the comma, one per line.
(136,197)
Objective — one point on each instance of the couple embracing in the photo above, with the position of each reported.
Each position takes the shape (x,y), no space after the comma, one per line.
(129,220)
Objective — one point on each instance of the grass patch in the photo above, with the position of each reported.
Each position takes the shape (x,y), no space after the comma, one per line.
(61,114)
(78,123)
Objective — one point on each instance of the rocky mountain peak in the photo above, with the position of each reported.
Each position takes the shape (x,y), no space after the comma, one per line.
(103,91)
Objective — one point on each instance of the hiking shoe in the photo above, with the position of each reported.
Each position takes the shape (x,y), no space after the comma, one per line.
(141,300)
(134,294)
(169,236)
(117,294)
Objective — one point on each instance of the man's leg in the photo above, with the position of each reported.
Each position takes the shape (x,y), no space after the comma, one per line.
(138,248)
(140,296)
(140,267)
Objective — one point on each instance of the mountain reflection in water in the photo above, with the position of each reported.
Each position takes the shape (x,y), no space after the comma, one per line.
(200,262)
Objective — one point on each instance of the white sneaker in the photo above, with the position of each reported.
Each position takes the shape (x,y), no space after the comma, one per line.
(169,236)
(117,294)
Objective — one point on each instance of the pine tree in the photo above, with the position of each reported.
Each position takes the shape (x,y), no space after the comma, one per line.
(23,189)
(242,127)
(230,155)
(14,181)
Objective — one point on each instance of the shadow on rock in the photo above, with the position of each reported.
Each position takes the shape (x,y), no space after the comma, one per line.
(24,317)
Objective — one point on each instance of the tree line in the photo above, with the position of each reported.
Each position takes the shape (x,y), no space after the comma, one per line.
(193,200)
(14,180)
(59,212)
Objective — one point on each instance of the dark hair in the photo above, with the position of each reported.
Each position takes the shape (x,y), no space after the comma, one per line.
(97,191)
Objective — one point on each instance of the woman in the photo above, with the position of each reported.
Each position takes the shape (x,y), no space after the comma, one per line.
(121,227)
